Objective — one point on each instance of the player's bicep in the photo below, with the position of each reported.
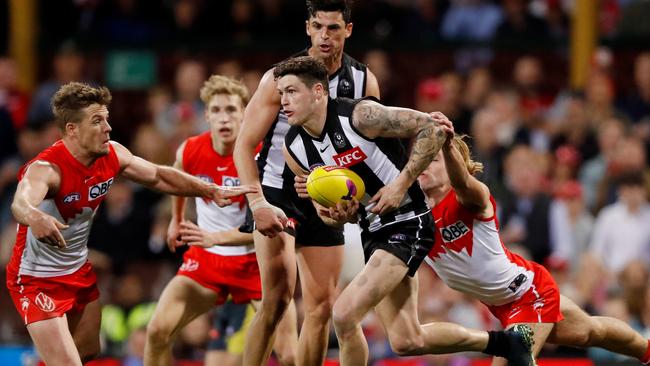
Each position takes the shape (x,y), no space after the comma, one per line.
(261,111)
(135,168)
(39,179)
(372,86)
(141,171)
(475,194)
(374,120)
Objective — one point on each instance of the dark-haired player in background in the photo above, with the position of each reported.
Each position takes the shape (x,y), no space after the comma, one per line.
(288,230)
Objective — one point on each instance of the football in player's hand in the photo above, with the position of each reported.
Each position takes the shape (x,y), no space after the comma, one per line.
(329,185)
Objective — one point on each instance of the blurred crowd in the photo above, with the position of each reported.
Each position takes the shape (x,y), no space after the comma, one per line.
(568,168)
(203,23)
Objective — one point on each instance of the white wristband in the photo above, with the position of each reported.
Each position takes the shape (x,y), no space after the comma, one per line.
(258,203)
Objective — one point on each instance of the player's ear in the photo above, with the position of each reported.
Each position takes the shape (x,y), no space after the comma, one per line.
(348,29)
(307,28)
(70,128)
(319,89)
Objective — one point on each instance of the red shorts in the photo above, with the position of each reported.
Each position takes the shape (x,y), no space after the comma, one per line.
(540,304)
(237,275)
(40,298)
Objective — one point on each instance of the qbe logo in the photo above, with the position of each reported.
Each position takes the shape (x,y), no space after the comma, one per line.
(453,231)
(230,181)
(99,190)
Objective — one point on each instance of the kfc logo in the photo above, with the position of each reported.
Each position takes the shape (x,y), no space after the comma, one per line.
(190,265)
(44,302)
(350,157)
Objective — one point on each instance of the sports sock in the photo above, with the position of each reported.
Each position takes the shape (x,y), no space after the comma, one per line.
(497,344)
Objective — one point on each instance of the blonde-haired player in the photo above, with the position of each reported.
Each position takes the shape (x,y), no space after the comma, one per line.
(469,256)
(220,262)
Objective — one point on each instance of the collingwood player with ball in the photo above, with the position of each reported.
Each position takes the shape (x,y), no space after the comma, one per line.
(397,228)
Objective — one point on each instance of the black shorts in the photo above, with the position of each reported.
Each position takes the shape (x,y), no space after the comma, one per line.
(229,326)
(310,230)
(409,240)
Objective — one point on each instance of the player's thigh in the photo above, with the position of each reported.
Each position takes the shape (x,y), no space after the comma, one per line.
(182,300)
(320,268)
(378,278)
(54,342)
(84,327)
(276,258)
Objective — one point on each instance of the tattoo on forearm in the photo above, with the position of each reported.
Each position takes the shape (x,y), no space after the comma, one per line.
(378,120)
(425,147)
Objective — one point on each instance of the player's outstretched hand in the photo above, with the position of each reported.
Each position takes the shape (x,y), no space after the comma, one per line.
(300,183)
(47,229)
(222,194)
(174,236)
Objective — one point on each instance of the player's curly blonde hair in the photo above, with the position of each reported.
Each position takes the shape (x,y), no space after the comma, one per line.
(472,166)
(219,84)
(72,98)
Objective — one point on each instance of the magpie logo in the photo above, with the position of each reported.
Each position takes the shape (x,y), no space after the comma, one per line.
(339,141)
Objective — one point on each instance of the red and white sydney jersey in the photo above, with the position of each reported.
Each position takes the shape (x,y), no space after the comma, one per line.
(469,256)
(81,191)
(200,160)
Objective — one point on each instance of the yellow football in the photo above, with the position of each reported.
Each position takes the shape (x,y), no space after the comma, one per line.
(328,185)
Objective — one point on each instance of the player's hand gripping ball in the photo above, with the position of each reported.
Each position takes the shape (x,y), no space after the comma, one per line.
(328,185)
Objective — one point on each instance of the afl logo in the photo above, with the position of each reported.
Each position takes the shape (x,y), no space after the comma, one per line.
(44,302)
(72,197)
(99,190)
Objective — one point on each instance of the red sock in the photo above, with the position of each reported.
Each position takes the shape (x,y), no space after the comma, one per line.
(646,358)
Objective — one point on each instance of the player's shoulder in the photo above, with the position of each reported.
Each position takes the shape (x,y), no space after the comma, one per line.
(353,62)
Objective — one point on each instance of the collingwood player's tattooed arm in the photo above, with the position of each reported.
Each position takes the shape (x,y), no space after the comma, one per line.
(375,120)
